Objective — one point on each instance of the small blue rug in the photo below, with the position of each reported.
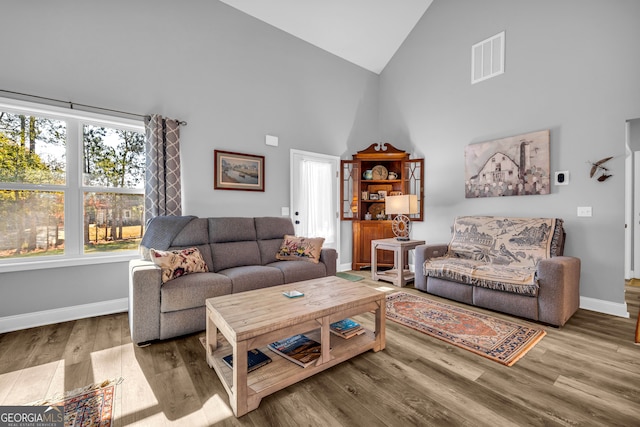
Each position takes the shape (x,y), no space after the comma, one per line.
(350,277)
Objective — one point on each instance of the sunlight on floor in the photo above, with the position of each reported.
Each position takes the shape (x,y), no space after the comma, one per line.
(386,288)
(217,409)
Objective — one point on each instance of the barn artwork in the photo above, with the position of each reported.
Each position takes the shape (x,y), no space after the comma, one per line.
(513,166)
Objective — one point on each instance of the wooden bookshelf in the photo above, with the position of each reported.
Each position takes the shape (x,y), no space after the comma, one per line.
(355,206)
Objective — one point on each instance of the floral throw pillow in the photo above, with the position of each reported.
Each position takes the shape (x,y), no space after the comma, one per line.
(178,263)
(300,249)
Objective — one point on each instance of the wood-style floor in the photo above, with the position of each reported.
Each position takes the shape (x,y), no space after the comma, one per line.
(586,373)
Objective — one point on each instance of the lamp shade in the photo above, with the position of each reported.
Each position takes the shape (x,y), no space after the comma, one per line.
(401,205)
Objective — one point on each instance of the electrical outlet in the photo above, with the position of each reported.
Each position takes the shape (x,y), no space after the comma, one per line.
(584,211)
(561,178)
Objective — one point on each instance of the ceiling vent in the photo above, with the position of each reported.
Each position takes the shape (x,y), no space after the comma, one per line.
(487,58)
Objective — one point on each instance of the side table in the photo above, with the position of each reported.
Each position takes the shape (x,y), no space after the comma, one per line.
(400,274)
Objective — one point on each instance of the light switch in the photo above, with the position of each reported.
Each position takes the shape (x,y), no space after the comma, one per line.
(584,211)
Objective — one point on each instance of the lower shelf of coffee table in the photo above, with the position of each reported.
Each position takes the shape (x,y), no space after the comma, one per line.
(281,372)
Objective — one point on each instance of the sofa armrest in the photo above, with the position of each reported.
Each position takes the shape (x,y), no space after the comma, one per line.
(421,254)
(145,281)
(329,257)
(559,292)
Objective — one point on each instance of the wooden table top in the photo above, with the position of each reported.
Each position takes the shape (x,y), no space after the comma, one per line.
(253,313)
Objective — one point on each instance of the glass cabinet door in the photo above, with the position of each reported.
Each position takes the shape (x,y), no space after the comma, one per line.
(413,177)
(349,193)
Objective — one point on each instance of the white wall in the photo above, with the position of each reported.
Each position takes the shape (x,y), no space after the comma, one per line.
(571,67)
(233,78)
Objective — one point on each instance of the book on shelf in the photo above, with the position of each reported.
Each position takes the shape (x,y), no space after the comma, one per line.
(255,359)
(346,328)
(299,349)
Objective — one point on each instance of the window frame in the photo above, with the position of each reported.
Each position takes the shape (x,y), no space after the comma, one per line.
(73,189)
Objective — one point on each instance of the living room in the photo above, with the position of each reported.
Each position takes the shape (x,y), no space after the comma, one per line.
(570,68)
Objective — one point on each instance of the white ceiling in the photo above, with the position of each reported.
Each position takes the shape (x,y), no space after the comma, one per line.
(365,32)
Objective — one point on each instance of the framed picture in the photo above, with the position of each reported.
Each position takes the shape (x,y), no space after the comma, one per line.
(365,195)
(374,196)
(237,171)
(512,166)
(382,195)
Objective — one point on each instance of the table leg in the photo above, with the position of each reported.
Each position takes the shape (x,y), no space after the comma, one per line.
(239,388)
(380,325)
(374,262)
(325,341)
(211,338)
(398,265)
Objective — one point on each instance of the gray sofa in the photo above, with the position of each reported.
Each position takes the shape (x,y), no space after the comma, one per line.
(499,245)
(240,254)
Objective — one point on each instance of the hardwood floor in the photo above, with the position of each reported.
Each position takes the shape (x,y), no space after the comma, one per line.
(586,373)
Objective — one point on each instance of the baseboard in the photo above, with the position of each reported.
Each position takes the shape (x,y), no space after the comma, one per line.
(606,307)
(344,267)
(347,267)
(47,317)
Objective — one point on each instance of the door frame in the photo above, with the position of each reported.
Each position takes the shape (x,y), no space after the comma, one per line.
(336,188)
(632,202)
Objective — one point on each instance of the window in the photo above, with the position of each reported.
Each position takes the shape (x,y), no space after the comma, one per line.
(71,183)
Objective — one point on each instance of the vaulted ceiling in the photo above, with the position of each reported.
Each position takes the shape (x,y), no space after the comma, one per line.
(365,32)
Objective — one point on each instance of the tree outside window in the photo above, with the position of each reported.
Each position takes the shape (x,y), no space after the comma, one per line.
(114,161)
(36,190)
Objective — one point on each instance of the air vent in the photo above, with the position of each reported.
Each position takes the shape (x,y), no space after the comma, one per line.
(487,58)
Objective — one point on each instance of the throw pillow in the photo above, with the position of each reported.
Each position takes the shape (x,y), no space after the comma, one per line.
(300,249)
(178,263)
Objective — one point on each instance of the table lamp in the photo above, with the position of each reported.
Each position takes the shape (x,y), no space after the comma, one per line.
(401,206)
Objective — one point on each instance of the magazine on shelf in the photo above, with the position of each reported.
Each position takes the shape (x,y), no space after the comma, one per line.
(299,349)
(346,328)
(255,359)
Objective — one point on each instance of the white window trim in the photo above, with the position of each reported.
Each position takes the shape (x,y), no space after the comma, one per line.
(73,199)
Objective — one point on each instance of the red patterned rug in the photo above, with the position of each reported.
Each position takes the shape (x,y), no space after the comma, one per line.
(496,339)
(88,406)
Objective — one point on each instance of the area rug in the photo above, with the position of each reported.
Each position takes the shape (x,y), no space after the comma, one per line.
(87,406)
(500,340)
(349,276)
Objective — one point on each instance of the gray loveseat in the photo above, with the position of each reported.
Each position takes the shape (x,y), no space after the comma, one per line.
(511,265)
(240,254)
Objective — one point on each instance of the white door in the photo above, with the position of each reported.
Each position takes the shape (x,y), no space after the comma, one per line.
(635,223)
(314,196)
(632,199)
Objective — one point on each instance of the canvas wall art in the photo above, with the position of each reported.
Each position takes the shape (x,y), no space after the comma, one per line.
(512,166)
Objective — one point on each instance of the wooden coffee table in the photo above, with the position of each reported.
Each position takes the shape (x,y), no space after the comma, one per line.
(254,319)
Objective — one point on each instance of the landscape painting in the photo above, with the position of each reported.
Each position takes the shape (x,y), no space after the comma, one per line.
(237,171)
(512,166)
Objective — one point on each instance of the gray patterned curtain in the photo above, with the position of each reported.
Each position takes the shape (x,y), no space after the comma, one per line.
(162,185)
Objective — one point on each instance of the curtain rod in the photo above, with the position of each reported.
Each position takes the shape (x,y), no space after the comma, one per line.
(75,104)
